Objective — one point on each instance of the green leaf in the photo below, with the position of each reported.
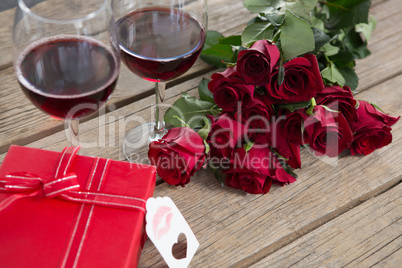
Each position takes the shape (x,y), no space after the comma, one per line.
(216,110)
(343,58)
(329,109)
(256,19)
(217,55)
(366,29)
(288,170)
(294,106)
(351,78)
(329,50)
(207,148)
(355,44)
(248,146)
(275,19)
(347,13)
(320,39)
(332,74)
(217,175)
(214,53)
(204,131)
(263,6)
(183,124)
(190,110)
(204,92)
(257,31)
(234,40)
(317,23)
(301,8)
(212,38)
(281,72)
(377,107)
(296,37)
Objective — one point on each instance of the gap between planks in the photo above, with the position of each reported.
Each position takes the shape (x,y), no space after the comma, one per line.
(291,238)
(367,236)
(121,102)
(213,236)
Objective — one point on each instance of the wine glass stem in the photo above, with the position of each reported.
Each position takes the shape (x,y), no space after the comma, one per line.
(159,110)
(73,130)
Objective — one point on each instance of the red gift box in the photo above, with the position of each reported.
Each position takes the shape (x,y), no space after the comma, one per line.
(67,210)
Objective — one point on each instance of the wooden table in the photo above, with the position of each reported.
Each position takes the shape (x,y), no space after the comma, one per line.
(346,213)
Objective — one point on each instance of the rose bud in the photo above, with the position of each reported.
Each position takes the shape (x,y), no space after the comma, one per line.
(249,181)
(255,170)
(178,155)
(256,63)
(328,133)
(228,89)
(226,133)
(292,127)
(339,99)
(302,81)
(275,139)
(255,112)
(372,130)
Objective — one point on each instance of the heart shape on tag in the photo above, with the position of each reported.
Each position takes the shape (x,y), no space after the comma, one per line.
(179,249)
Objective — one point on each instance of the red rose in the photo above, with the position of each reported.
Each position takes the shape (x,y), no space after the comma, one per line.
(255,112)
(255,171)
(274,138)
(302,81)
(228,89)
(224,136)
(292,127)
(328,133)
(338,99)
(249,181)
(178,155)
(372,130)
(256,63)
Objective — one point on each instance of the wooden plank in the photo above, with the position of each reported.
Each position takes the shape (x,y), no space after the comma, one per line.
(238,229)
(384,46)
(21,123)
(24,124)
(6,26)
(218,20)
(107,130)
(227,16)
(370,234)
(235,228)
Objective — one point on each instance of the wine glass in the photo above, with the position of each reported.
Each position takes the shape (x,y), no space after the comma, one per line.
(66,56)
(159,41)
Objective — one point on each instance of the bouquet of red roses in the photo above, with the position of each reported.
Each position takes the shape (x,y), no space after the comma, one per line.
(275,97)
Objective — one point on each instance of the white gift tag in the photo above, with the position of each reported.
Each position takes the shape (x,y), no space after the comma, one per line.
(164,225)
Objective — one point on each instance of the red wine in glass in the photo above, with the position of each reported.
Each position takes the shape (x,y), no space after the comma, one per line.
(67,72)
(159,44)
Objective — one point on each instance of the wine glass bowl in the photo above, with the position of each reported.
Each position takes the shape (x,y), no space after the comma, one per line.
(165,45)
(66,56)
(159,41)
(87,80)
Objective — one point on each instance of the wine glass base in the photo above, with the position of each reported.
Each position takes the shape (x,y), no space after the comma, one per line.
(136,142)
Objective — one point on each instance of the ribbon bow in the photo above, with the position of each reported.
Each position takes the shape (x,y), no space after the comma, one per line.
(65,186)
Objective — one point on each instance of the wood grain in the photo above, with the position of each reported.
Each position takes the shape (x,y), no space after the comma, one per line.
(238,229)
(21,123)
(347,203)
(368,235)
(105,133)
(234,228)
(129,89)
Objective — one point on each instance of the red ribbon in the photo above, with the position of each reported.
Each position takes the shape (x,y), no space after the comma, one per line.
(65,186)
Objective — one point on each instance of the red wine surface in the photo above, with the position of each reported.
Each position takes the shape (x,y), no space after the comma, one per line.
(159,44)
(67,76)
